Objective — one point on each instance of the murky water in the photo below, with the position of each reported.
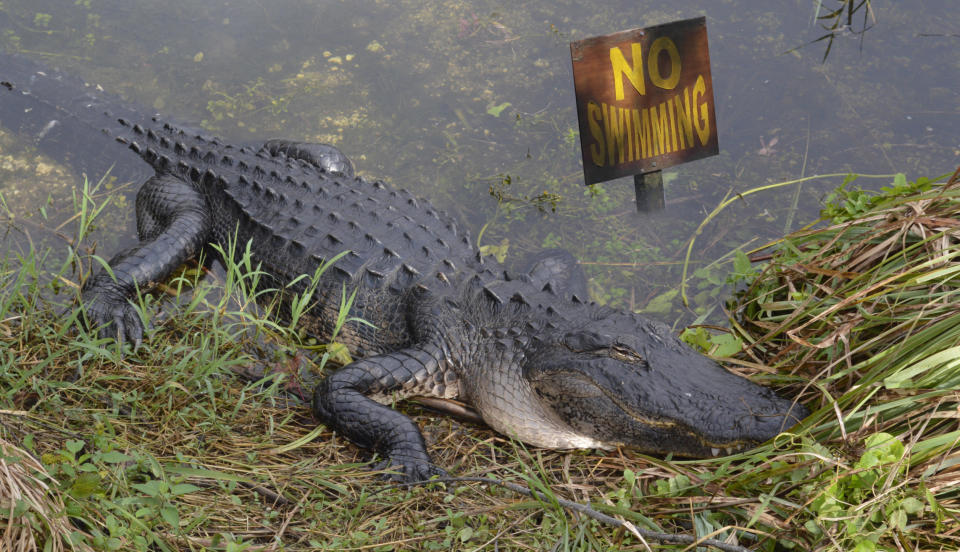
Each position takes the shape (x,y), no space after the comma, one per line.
(453,99)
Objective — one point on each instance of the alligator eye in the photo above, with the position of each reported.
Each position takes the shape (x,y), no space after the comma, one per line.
(625,354)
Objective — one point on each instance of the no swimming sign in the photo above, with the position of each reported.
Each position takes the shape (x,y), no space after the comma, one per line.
(644,99)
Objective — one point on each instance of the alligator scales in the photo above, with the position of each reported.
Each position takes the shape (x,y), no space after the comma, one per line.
(524,349)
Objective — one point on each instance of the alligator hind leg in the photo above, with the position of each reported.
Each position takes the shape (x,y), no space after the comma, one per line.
(343,402)
(323,156)
(173,223)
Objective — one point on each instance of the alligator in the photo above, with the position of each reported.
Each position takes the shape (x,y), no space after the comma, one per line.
(524,348)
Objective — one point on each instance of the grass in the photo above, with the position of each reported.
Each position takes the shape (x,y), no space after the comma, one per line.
(865,309)
(169,449)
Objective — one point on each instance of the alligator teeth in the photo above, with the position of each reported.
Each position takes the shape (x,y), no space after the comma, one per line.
(728,450)
(715,451)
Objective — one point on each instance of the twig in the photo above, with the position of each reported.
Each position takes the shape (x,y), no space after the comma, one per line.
(273,496)
(267,493)
(638,532)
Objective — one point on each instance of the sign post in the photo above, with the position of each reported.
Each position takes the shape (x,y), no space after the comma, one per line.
(648,188)
(644,103)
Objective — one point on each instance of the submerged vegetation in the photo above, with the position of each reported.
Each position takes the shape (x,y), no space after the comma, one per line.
(200,440)
(842,19)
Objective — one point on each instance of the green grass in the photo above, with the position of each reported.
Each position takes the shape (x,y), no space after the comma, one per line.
(197,441)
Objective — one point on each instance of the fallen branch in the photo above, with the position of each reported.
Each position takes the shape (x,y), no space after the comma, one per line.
(640,533)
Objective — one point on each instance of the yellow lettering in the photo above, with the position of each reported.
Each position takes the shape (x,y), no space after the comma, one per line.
(637,140)
(613,125)
(628,130)
(684,120)
(597,148)
(661,129)
(673,125)
(647,140)
(702,123)
(659,45)
(634,73)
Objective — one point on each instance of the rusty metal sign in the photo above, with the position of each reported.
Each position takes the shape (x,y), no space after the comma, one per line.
(644,99)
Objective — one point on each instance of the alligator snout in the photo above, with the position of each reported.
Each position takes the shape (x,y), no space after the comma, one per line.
(781,416)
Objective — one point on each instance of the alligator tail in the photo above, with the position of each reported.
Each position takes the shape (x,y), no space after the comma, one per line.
(67,118)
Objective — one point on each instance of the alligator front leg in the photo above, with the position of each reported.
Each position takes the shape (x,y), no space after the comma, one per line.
(172,223)
(322,156)
(341,401)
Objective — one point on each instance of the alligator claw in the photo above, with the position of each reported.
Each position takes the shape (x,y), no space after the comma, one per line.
(409,470)
(116,318)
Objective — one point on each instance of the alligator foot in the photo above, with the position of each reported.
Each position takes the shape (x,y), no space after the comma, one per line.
(110,313)
(401,469)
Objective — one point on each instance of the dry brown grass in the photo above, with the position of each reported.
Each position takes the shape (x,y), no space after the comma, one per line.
(32,512)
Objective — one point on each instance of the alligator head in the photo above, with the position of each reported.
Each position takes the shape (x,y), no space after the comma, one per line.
(650,391)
